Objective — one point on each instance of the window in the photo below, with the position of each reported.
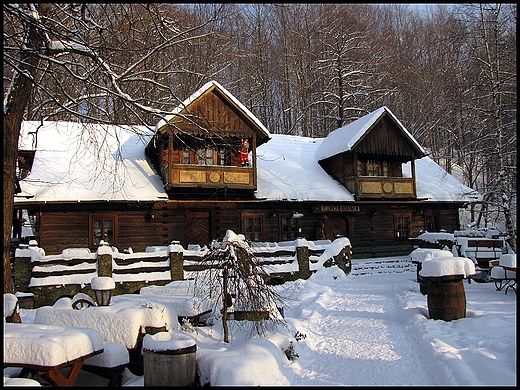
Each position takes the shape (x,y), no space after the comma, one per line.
(402,225)
(373,168)
(432,223)
(205,156)
(289,227)
(186,156)
(224,156)
(102,227)
(252,226)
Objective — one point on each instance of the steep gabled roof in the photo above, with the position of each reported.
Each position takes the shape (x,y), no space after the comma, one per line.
(263,134)
(86,162)
(346,138)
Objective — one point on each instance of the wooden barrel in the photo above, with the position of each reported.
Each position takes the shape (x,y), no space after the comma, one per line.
(422,284)
(447,300)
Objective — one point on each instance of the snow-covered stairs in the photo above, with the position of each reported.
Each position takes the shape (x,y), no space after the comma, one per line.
(385,265)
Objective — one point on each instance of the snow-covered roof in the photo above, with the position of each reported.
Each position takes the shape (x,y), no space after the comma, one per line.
(209,85)
(86,162)
(436,185)
(288,170)
(78,162)
(345,138)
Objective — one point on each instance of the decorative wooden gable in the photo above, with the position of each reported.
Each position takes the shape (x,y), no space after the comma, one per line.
(370,163)
(210,142)
(386,139)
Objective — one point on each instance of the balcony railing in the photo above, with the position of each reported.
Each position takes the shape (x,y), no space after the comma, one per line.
(209,176)
(383,187)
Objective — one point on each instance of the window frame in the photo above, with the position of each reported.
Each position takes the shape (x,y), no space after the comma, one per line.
(249,235)
(293,224)
(433,227)
(399,227)
(373,168)
(103,217)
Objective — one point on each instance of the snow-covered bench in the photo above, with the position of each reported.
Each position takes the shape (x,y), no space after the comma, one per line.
(504,274)
(481,251)
(110,364)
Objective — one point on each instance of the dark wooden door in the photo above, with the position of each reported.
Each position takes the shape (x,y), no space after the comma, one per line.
(336,225)
(198,227)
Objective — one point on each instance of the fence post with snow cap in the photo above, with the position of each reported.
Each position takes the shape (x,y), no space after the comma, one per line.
(302,254)
(176,253)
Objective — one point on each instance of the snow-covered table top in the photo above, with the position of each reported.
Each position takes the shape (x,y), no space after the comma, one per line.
(185,305)
(181,294)
(48,346)
(508,260)
(122,321)
(420,255)
(448,266)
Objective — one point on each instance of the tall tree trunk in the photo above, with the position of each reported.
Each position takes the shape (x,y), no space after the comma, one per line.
(493,58)
(225,304)
(14,110)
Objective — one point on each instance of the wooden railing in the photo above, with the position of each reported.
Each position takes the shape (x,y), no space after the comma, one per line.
(383,187)
(210,176)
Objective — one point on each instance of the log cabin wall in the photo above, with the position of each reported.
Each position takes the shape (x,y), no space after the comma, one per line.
(369,226)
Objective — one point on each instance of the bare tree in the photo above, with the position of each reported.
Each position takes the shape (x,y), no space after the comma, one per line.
(64,61)
(233,278)
(492,52)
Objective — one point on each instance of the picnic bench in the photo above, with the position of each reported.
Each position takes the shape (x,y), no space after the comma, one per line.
(503,273)
(45,350)
(481,251)
(110,364)
(126,320)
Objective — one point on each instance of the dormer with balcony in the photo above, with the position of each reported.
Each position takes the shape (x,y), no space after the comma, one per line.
(367,157)
(208,144)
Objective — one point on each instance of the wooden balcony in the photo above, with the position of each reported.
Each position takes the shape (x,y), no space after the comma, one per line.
(382,187)
(209,176)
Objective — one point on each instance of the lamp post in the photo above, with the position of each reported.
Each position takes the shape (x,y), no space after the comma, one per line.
(102,287)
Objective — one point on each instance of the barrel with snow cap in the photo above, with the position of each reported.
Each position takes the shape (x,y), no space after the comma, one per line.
(169,359)
(446,295)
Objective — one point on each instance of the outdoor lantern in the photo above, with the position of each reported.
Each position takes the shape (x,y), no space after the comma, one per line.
(102,287)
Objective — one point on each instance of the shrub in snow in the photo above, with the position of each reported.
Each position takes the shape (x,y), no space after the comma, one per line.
(235,279)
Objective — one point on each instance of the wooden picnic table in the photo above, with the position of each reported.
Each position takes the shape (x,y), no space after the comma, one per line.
(124,320)
(45,350)
(503,272)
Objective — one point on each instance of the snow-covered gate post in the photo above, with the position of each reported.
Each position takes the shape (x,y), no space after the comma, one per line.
(176,254)
(302,255)
(104,260)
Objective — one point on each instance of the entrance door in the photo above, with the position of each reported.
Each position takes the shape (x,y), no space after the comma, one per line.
(198,227)
(336,225)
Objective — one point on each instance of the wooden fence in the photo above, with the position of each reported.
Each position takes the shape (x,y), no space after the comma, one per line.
(51,277)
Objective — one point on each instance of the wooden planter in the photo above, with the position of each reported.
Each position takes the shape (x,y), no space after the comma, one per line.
(251,315)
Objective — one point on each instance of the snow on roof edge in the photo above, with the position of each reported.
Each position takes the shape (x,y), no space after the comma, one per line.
(198,93)
(331,145)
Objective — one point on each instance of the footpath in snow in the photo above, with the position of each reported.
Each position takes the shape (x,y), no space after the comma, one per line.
(356,333)
(372,328)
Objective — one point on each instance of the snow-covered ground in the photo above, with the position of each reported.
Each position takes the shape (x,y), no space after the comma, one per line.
(363,330)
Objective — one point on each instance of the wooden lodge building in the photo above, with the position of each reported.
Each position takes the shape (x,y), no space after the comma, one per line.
(212,166)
